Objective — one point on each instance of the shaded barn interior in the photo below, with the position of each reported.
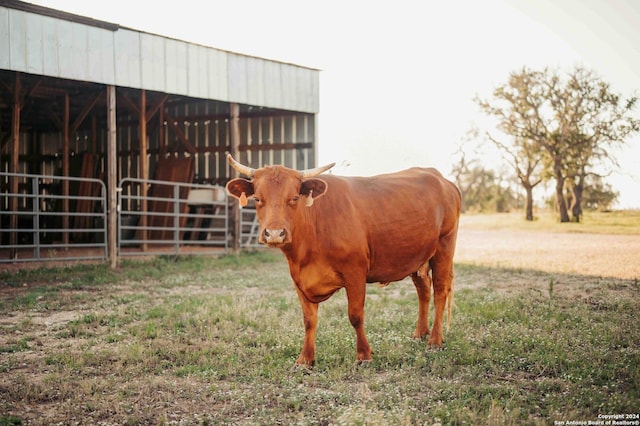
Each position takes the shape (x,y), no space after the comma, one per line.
(178,109)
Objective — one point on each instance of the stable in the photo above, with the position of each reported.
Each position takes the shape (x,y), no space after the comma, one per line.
(113,140)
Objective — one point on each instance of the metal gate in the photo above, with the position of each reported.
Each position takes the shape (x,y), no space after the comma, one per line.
(173,218)
(39,224)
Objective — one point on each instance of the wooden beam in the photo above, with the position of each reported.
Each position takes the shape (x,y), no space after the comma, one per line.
(180,134)
(276,146)
(81,116)
(227,148)
(155,108)
(34,87)
(55,119)
(144,166)
(7,87)
(130,104)
(112,175)
(65,169)
(85,111)
(234,121)
(225,116)
(4,141)
(94,134)
(15,159)
(161,133)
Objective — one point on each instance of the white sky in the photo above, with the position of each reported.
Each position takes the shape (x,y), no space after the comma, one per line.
(399,77)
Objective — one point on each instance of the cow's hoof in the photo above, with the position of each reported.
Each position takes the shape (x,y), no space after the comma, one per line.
(302,368)
(433,347)
(420,336)
(363,363)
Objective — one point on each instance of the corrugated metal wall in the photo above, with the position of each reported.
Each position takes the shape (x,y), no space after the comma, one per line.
(45,45)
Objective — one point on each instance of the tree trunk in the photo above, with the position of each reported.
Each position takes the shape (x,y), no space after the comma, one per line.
(576,205)
(560,179)
(562,203)
(529,203)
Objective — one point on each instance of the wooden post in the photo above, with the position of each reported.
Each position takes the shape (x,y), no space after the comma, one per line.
(112,158)
(234,122)
(65,171)
(144,167)
(161,133)
(94,134)
(15,161)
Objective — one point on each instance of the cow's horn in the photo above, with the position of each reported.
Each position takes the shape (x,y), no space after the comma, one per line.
(315,172)
(240,168)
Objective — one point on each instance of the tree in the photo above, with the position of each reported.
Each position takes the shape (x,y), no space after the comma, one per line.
(598,195)
(570,122)
(482,190)
(524,159)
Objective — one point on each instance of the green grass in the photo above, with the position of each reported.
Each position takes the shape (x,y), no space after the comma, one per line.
(212,341)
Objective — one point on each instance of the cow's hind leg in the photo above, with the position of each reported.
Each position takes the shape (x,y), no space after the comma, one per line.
(442,273)
(422,282)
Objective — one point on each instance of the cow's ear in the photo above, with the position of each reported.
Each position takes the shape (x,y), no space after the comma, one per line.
(241,189)
(312,189)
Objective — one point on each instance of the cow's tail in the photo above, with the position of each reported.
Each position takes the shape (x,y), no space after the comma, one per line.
(450,302)
(449,306)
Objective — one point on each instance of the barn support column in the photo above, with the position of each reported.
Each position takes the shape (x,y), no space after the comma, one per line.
(15,160)
(161,132)
(65,171)
(234,121)
(112,158)
(94,134)
(144,167)
(316,126)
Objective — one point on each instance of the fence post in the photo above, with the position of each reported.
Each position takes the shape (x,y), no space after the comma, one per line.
(36,216)
(234,121)
(176,218)
(112,158)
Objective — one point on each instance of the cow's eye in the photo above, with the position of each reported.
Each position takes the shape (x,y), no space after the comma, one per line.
(257,200)
(295,198)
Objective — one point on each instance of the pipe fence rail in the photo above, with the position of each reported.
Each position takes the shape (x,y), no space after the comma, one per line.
(38,224)
(173,218)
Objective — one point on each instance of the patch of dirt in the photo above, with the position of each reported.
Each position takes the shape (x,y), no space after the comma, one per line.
(615,256)
(574,266)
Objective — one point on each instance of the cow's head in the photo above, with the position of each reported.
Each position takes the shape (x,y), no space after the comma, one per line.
(279,193)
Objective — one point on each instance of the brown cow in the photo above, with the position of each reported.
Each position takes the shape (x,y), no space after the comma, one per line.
(343,232)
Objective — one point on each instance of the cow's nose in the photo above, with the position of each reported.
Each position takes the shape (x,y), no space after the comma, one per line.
(274,236)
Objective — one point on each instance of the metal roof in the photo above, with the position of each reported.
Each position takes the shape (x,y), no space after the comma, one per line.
(43,41)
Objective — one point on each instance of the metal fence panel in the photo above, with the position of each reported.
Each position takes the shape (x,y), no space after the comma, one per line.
(35,227)
(180,218)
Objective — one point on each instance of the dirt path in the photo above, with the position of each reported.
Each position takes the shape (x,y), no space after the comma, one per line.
(585,254)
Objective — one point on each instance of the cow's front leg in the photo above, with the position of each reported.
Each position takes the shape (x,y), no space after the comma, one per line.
(422,282)
(356,296)
(310,317)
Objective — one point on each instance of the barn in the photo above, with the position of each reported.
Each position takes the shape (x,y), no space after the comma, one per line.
(113,140)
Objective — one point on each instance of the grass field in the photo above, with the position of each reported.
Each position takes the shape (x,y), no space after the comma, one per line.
(212,341)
